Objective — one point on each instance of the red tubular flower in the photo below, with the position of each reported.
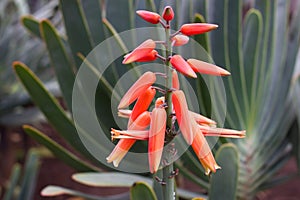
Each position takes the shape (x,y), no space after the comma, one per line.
(175,80)
(148,16)
(221,132)
(168,13)
(143,50)
(182,115)
(126,142)
(142,104)
(137,89)
(200,119)
(197,28)
(207,68)
(182,66)
(180,40)
(202,150)
(156,138)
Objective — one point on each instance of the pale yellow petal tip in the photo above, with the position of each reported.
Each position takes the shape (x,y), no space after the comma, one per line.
(116,163)
(208,171)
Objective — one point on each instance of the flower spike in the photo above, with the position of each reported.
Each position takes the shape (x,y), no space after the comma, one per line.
(182,66)
(142,104)
(197,28)
(137,89)
(182,115)
(148,16)
(168,13)
(140,52)
(207,68)
(156,138)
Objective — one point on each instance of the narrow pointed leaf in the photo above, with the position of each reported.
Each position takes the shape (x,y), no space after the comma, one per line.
(30,176)
(13,181)
(59,151)
(52,191)
(31,24)
(77,28)
(60,61)
(49,106)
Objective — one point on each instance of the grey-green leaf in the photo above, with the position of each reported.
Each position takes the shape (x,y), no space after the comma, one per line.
(225,180)
(59,151)
(140,190)
(31,24)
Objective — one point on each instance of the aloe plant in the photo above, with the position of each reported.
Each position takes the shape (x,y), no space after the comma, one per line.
(258,45)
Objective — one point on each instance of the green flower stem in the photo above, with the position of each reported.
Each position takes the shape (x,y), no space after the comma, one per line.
(168,188)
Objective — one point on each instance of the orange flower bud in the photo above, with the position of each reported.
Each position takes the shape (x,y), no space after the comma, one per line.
(182,115)
(156,138)
(197,28)
(148,16)
(182,66)
(142,104)
(149,57)
(180,40)
(168,13)
(137,89)
(143,50)
(207,68)
(175,80)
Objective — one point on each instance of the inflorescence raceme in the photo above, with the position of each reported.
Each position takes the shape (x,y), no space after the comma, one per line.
(153,126)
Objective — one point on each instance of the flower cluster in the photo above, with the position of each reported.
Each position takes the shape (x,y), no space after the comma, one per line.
(152,125)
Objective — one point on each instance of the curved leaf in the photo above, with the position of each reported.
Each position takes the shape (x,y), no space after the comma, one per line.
(225,180)
(140,190)
(59,151)
(59,59)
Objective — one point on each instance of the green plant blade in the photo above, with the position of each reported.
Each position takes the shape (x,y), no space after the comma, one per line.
(252,41)
(13,181)
(109,179)
(224,182)
(30,175)
(59,59)
(49,106)
(31,24)
(79,36)
(59,151)
(52,191)
(93,14)
(140,190)
(202,39)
